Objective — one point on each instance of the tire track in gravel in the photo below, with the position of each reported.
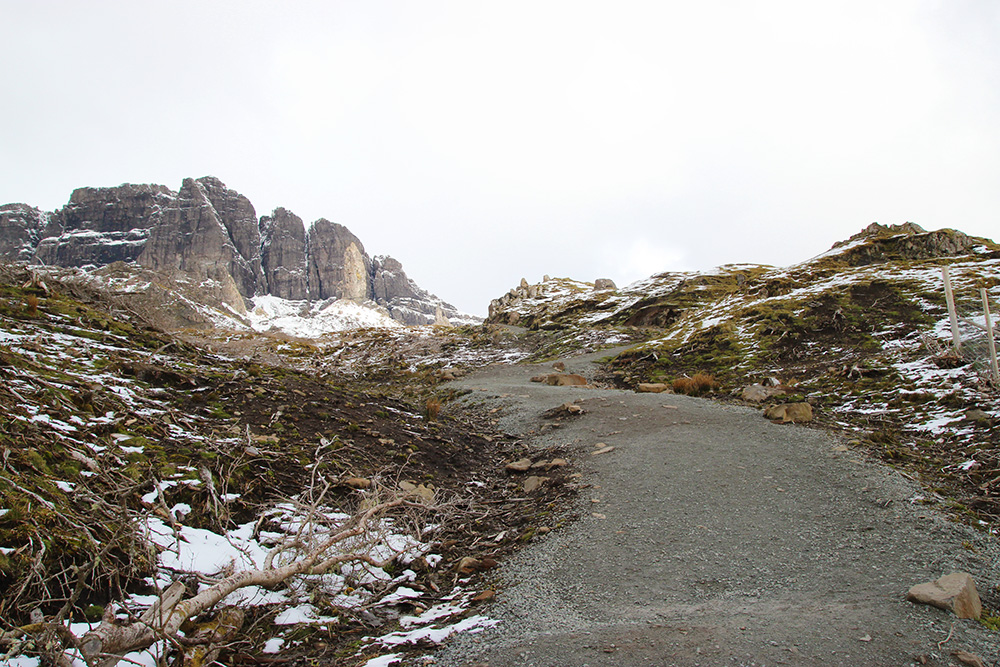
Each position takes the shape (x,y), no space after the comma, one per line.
(710,536)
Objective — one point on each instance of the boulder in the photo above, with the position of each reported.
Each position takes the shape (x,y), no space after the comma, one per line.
(955,592)
(604,284)
(785,413)
(652,387)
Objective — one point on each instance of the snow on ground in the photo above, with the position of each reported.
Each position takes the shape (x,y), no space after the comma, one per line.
(313,319)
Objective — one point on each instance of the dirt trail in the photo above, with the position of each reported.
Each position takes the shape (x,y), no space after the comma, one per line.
(710,536)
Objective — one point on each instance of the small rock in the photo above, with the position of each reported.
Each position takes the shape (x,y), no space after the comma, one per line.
(358,482)
(467,565)
(955,592)
(796,413)
(539,378)
(598,515)
(557,463)
(425,493)
(978,416)
(970,659)
(564,410)
(604,284)
(559,366)
(485,596)
(534,482)
(866,638)
(565,380)
(652,387)
(603,450)
(521,465)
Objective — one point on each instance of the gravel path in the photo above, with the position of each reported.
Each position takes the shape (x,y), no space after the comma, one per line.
(710,536)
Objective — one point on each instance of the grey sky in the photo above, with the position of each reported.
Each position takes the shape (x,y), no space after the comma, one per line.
(481,142)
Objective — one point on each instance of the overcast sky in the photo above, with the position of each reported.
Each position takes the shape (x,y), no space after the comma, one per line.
(482,142)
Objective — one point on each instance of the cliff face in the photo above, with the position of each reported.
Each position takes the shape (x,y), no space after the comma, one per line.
(337,263)
(21,228)
(209,235)
(283,255)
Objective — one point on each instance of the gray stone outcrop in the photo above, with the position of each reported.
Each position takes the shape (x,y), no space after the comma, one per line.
(283,255)
(21,228)
(192,242)
(209,236)
(337,264)
(99,226)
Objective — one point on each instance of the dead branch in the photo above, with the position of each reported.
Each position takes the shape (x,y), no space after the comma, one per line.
(104,646)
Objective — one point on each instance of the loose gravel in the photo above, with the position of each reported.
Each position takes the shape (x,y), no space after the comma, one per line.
(710,536)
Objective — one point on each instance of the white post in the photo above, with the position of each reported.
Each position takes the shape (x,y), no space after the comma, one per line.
(949,296)
(989,335)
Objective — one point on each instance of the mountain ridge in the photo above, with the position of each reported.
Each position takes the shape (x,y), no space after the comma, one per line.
(210,233)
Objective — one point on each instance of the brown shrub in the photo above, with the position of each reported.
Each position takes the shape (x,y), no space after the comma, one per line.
(31,303)
(433,409)
(701,383)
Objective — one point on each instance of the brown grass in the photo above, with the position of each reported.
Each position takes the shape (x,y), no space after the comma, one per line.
(31,304)
(433,409)
(701,383)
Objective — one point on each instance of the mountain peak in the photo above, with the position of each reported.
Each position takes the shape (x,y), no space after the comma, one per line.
(209,235)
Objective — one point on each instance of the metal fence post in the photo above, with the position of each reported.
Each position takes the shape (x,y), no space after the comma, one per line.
(989,335)
(949,296)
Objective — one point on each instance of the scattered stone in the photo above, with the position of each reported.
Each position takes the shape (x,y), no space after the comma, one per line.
(521,465)
(603,450)
(425,493)
(758,393)
(534,482)
(970,659)
(485,596)
(652,387)
(559,366)
(955,592)
(358,483)
(796,413)
(468,565)
(598,515)
(557,463)
(565,380)
(536,378)
(564,410)
(978,416)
